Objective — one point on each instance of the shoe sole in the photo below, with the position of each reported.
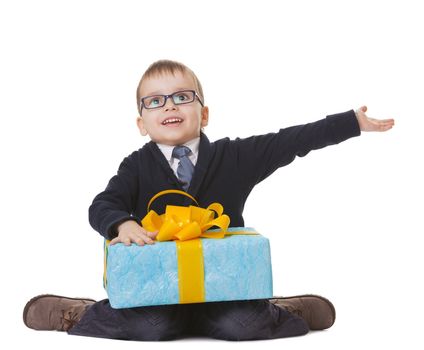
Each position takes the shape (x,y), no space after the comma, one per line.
(33,300)
(333,310)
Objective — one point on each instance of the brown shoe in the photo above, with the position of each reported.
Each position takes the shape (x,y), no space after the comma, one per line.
(53,312)
(318,312)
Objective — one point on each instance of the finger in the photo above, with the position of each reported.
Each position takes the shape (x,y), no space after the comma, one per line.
(379,122)
(381,126)
(363,109)
(141,239)
(148,240)
(126,241)
(388,121)
(385,127)
(114,241)
(152,235)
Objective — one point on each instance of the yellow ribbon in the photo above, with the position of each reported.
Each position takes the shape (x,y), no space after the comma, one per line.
(191,272)
(185,223)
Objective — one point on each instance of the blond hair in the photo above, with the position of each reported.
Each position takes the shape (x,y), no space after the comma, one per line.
(168,67)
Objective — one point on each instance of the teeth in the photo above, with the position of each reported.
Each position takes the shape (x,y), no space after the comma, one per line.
(171,120)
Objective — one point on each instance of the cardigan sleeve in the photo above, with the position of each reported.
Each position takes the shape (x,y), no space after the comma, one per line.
(259,156)
(117,202)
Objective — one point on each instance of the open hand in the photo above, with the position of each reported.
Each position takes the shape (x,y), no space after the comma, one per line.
(370,124)
(131,232)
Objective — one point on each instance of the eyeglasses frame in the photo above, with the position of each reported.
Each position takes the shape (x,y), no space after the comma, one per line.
(170,96)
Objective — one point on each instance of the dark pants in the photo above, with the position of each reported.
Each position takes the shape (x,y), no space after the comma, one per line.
(233,320)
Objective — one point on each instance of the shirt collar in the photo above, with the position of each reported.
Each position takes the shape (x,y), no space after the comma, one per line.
(192,144)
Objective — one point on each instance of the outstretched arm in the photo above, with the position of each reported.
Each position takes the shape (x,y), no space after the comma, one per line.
(371,124)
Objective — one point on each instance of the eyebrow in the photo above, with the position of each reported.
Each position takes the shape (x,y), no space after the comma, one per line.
(161,93)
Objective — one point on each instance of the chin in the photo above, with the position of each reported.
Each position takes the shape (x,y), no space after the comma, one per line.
(179,140)
(170,141)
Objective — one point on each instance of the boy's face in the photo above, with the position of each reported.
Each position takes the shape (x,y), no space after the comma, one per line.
(192,116)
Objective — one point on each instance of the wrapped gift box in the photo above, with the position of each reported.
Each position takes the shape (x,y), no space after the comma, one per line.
(237,267)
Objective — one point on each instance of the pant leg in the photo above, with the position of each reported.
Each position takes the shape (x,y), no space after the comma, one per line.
(246,320)
(164,322)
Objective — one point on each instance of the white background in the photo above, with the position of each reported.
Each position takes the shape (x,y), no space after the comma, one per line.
(343,221)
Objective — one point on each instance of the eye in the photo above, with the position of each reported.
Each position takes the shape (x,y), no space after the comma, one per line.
(182,97)
(153,102)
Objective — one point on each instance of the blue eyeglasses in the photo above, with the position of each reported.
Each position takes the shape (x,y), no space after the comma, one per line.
(179,98)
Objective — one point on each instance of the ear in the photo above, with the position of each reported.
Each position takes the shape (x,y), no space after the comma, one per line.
(204,116)
(140,125)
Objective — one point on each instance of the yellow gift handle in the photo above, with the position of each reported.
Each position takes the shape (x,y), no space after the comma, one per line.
(185,223)
(161,193)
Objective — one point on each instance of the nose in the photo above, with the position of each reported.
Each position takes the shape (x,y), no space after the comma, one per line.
(169,104)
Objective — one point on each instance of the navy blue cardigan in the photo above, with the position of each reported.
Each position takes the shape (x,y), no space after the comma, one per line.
(226,171)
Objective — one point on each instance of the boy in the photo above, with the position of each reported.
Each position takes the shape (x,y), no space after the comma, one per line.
(172,112)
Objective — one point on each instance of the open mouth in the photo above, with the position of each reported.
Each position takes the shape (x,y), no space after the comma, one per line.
(172,121)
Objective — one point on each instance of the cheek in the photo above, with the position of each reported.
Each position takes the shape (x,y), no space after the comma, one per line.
(150,123)
(147,127)
(196,117)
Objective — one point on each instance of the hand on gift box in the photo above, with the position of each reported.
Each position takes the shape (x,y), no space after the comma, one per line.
(131,232)
(371,124)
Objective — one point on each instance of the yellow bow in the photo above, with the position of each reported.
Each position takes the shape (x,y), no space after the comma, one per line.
(184,223)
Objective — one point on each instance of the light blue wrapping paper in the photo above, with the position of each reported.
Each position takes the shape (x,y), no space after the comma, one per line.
(237,267)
